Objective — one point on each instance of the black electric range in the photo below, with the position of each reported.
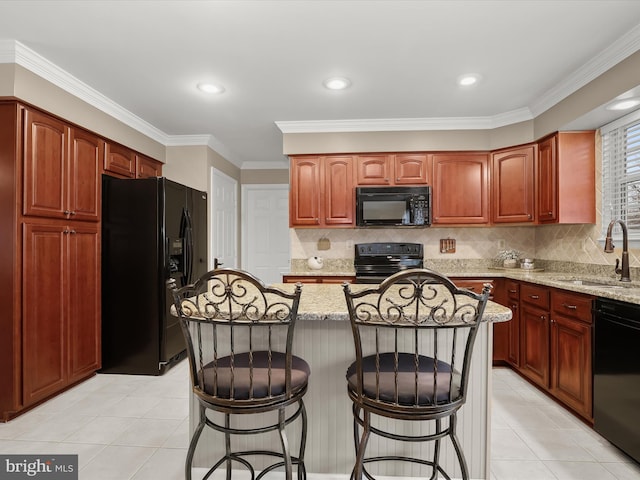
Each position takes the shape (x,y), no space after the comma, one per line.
(374,262)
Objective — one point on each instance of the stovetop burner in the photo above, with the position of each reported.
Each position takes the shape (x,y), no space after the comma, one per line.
(374,262)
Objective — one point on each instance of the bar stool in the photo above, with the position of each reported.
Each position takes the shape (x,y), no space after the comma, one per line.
(239,336)
(413,336)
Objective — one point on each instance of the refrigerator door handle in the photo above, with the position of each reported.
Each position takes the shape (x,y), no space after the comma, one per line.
(188,248)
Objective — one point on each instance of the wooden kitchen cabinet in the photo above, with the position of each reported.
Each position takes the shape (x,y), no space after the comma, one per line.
(566,178)
(534,333)
(61,307)
(460,188)
(393,169)
(321,193)
(571,332)
(120,161)
(513,185)
(61,169)
(412,169)
(147,167)
(513,330)
(50,258)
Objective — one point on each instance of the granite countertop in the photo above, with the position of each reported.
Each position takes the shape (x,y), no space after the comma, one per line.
(614,289)
(327,302)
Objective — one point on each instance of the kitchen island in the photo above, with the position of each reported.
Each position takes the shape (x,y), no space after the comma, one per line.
(323,338)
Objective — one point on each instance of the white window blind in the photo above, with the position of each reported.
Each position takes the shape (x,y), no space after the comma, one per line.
(621,173)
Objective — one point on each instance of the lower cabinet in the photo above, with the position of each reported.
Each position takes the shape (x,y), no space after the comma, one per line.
(534,333)
(571,379)
(61,307)
(555,343)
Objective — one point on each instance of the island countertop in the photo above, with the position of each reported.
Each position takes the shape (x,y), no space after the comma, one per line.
(327,302)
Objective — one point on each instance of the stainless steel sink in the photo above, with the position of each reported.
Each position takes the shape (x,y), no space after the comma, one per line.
(593,283)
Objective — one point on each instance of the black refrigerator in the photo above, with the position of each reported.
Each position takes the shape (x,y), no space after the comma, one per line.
(152,229)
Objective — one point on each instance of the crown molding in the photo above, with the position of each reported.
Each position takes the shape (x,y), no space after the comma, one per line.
(405,124)
(622,48)
(32,61)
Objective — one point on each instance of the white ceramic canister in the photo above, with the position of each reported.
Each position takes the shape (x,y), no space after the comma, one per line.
(315,263)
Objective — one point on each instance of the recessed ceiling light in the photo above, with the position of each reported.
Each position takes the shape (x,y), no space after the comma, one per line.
(337,83)
(468,79)
(210,88)
(624,104)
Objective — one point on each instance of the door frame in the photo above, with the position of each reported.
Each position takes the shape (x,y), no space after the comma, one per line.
(214,172)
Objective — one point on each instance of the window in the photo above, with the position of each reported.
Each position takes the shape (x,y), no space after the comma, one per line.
(621,173)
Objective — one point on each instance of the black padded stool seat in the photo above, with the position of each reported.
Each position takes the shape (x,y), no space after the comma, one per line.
(254,379)
(388,386)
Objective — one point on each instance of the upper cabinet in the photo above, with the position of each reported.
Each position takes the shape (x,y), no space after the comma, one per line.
(120,160)
(389,169)
(61,169)
(513,180)
(457,172)
(147,167)
(566,178)
(551,181)
(322,193)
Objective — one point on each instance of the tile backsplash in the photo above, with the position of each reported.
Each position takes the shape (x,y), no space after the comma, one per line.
(565,243)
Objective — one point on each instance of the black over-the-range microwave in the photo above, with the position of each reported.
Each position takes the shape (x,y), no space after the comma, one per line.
(393,206)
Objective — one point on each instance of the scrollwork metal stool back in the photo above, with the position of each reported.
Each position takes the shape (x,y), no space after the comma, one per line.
(239,336)
(413,336)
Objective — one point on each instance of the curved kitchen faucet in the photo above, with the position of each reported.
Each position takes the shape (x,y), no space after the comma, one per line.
(609,246)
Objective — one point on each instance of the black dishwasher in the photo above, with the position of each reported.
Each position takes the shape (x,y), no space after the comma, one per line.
(616,374)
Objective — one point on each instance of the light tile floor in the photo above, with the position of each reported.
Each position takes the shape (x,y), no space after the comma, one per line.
(128,427)
(533,438)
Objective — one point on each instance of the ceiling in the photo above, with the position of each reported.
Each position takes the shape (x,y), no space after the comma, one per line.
(403,58)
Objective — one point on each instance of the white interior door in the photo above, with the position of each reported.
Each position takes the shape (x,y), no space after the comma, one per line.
(265,231)
(224,213)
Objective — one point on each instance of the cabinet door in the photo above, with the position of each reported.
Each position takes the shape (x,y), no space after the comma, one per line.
(45,164)
(305,192)
(411,169)
(339,201)
(513,350)
(375,169)
(44,292)
(513,192)
(460,188)
(147,167)
(83,312)
(120,160)
(83,184)
(571,380)
(547,181)
(513,334)
(534,356)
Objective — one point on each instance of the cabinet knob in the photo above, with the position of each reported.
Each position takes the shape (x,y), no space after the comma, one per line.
(534,297)
(72,213)
(529,216)
(570,307)
(67,212)
(549,213)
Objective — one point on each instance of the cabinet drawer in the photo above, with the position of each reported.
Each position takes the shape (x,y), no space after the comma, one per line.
(572,305)
(535,295)
(513,290)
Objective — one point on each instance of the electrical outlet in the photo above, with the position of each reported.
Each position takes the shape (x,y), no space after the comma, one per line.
(502,244)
